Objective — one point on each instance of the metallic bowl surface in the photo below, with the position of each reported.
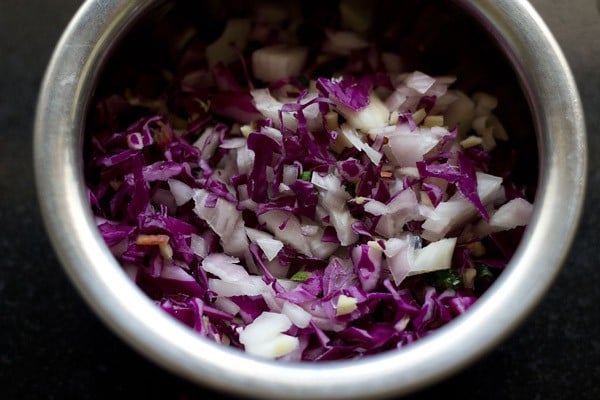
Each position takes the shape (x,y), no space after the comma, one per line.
(552,95)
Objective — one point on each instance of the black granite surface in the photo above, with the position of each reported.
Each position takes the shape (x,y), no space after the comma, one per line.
(53,347)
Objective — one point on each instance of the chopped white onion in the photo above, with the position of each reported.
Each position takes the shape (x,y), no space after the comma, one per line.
(208,142)
(404,149)
(298,315)
(321,249)
(253,285)
(516,212)
(181,192)
(227,305)
(458,209)
(224,267)
(354,138)
(419,82)
(400,255)
(198,245)
(290,174)
(433,257)
(263,337)
(256,234)
(226,220)
(234,143)
(286,227)
(175,272)
(278,346)
(270,247)
(332,198)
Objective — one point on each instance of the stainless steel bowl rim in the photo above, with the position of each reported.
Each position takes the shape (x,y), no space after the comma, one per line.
(558,116)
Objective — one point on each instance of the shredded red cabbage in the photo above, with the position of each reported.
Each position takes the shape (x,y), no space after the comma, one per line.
(315,217)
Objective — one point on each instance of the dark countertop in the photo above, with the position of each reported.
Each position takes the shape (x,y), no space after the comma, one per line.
(53,346)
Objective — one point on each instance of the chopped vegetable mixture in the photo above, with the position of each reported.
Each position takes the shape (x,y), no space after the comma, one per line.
(304,202)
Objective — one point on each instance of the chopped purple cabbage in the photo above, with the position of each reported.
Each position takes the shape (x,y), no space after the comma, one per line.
(293,195)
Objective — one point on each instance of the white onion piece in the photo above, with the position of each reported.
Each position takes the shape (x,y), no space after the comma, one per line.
(233,143)
(198,245)
(181,192)
(458,209)
(269,107)
(516,212)
(440,87)
(255,234)
(433,257)
(419,82)
(322,249)
(286,227)
(405,149)
(264,337)
(245,202)
(235,36)
(403,208)
(288,284)
(290,174)
(278,346)
(333,197)
(226,220)
(355,139)
(342,221)
(207,142)
(276,62)
(175,272)
(391,130)
(396,99)
(224,304)
(253,285)
(244,160)
(403,201)
(298,315)
(270,247)
(400,255)
(224,267)
(309,230)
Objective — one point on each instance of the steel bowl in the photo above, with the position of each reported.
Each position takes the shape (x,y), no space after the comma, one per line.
(561,161)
